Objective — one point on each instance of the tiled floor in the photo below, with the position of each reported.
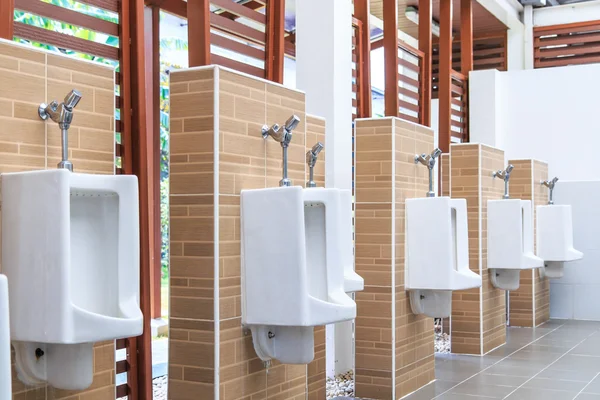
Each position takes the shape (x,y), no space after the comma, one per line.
(559,360)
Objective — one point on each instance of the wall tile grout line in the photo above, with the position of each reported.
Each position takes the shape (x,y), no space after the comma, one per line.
(549,365)
(499,361)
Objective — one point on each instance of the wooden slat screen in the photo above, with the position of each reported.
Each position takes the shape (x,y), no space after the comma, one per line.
(459,112)
(238,34)
(102,52)
(356,68)
(410,85)
(489,52)
(568,44)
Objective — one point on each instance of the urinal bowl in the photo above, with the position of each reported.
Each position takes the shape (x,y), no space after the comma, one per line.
(510,242)
(555,239)
(431,276)
(70,251)
(282,305)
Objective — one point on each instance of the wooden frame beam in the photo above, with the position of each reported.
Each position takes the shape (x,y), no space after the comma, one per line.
(138,151)
(275,40)
(362,12)
(152,46)
(445,76)
(198,16)
(466,37)
(7,10)
(425,45)
(390,52)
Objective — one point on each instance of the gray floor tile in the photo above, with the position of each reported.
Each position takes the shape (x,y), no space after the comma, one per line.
(593,386)
(513,370)
(477,389)
(555,384)
(587,396)
(572,362)
(498,380)
(431,390)
(579,376)
(460,396)
(539,394)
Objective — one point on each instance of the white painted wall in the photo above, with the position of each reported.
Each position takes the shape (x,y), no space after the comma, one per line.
(567,14)
(577,294)
(549,114)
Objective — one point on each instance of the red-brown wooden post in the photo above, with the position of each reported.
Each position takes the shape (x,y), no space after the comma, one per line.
(390,52)
(152,46)
(445,75)
(425,21)
(362,12)
(198,16)
(275,40)
(466,37)
(141,164)
(7,10)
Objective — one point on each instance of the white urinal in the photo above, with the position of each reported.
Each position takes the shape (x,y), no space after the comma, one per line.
(510,242)
(5,372)
(437,254)
(352,281)
(70,251)
(292,273)
(555,239)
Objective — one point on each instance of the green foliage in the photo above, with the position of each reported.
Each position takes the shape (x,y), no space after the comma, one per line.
(166,44)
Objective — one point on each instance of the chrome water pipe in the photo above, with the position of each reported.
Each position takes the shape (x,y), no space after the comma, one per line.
(311,160)
(429,161)
(63,115)
(550,185)
(283,135)
(506,176)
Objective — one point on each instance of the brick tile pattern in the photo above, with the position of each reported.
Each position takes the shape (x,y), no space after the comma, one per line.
(478,315)
(394,348)
(541,286)
(29,77)
(530,304)
(217,115)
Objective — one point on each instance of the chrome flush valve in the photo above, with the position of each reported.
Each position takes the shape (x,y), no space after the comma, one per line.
(284,137)
(311,160)
(428,160)
(505,175)
(550,186)
(63,115)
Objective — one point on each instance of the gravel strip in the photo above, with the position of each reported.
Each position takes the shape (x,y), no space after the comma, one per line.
(159,386)
(442,340)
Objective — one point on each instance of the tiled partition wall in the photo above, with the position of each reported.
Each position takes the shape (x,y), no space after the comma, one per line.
(29,77)
(529,305)
(394,347)
(478,315)
(216,151)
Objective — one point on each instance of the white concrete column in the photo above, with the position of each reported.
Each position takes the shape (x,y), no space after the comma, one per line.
(485,114)
(528,36)
(324,72)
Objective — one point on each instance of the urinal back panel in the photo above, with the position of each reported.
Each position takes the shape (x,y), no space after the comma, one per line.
(275,280)
(555,232)
(505,233)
